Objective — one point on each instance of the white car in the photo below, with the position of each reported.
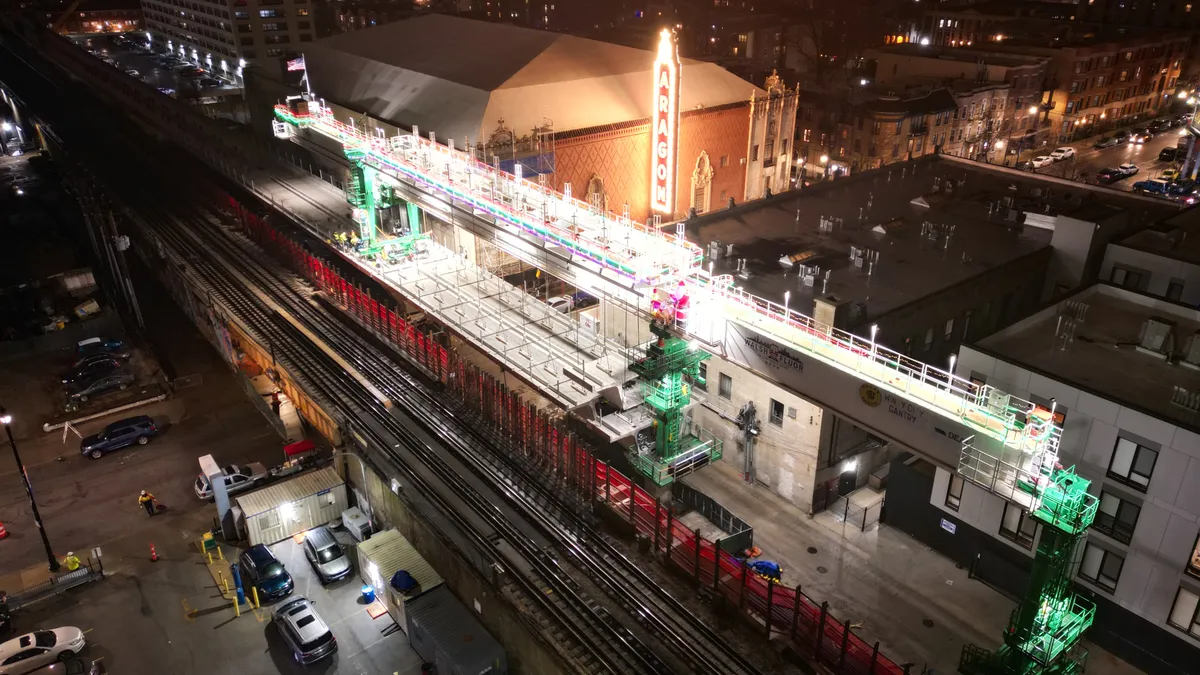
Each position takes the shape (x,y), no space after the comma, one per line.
(1041,160)
(1060,154)
(132,73)
(237,479)
(1128,169)
(39,649)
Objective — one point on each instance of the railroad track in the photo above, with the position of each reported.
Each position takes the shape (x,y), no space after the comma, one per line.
(641,596)
(598,640)
(592,640)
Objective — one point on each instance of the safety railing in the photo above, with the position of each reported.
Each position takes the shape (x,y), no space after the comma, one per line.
(1056,631)
(932,387)
(937,389)
(594,240)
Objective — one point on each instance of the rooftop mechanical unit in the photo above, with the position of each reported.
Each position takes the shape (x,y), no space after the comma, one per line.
(1158,337)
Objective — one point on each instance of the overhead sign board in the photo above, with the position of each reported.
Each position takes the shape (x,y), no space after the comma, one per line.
(665,125)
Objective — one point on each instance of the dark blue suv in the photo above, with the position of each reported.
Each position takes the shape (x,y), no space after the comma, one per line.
(260,568)
(118,435)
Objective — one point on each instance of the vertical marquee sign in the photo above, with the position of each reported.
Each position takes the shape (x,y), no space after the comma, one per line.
(665,129)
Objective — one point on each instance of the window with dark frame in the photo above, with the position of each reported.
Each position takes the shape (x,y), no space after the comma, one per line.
(701,381)
(954,492)
(1193,566)
(1174,290)
(1132,464)
(725,387)
(1183,612)
(1017,526)
(1116,517)
(1101,567)
(777,409)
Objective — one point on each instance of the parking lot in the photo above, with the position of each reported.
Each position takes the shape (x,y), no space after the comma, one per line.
(169,617)
(153,72)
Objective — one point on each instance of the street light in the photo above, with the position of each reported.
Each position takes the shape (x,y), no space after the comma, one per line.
(1181,95)
(6,420)
(1033,110)
(787,295)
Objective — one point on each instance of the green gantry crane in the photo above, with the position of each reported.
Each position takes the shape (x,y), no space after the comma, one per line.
(1045,628)
(669,360)
(368,194)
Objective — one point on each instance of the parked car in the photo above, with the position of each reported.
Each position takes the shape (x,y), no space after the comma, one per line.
(1129,169)
(98,345)
(74,667)
(1154,186)
(306,635)
(90,367)
(119,434)
(1183,119)
(1106,142)
(1169,175)
(1121,136)
(261,569)
(40,648)
(1168,154)
(1110,175)
(237,479)
(326,555)
(1157,127)
(132,72)
(1060,154)
(209,83)
(1041,161)
(83,390)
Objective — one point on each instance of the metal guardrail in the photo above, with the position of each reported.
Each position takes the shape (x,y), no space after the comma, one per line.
(89,570)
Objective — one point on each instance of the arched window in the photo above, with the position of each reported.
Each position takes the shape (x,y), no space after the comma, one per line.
(596,196)
(702,183)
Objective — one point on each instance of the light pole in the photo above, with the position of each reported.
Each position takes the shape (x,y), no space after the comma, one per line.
(787,295)
(6,420)
(874,332)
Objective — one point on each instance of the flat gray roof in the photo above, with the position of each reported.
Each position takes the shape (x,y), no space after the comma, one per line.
(1177,237)
(1102,358)
(914,258)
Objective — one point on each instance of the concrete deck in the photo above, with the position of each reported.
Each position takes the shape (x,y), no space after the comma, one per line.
(919,605)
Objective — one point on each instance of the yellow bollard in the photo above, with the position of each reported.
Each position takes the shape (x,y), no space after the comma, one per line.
(220,554)
(209,557)
(226,582)
(254,591)
(237,607)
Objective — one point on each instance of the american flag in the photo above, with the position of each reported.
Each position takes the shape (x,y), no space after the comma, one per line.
(296,64)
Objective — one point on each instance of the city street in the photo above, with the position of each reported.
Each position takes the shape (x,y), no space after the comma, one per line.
(1089,160)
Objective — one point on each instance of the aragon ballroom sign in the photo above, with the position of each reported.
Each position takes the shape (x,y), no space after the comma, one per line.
(665,125)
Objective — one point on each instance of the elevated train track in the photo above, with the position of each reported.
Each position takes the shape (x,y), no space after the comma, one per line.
(495,506)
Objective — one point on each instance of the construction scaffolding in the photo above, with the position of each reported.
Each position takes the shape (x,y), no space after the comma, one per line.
(678,448)
(1045,629)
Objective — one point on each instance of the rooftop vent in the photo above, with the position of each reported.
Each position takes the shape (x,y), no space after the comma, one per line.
(1185,399)
(1158,337)
(790,261)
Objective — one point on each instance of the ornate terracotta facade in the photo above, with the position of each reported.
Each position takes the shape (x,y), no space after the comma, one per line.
(711,161)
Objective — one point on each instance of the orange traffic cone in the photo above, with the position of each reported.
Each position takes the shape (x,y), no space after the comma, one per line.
(153,554)
(3,532)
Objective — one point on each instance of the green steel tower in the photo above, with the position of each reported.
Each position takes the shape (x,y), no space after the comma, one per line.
(1045,628)
(666,392)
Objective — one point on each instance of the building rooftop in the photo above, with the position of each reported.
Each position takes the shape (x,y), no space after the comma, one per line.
(1103,357)
(1177,237)
(971,55)
(906,216)
(460,77)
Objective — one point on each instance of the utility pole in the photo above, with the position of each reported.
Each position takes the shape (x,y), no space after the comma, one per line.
(6,420)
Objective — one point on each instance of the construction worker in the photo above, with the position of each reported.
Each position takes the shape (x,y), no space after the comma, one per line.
(146,501)
(71,562)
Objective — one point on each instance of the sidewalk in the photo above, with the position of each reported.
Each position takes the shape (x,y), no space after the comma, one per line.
(919,605)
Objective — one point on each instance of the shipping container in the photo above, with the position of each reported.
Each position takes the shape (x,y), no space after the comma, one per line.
(449,636)
(381,557)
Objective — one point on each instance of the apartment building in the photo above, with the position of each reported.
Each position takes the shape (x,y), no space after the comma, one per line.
(978,128)
(1121,370)
(1112,82)
(895,126)
(1026,76)
(227,35)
